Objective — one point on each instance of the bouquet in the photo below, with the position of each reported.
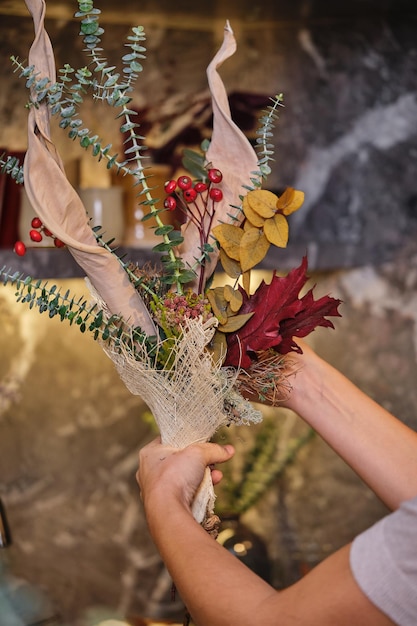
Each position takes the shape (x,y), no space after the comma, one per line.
(192,351)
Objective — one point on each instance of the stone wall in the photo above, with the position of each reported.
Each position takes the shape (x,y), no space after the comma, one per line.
(69,430)
(347,134)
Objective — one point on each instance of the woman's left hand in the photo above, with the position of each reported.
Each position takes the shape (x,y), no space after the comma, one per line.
(167,473)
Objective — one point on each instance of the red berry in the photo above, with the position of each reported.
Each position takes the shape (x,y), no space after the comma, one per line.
(200,187)
(47,232)
(36,223)
(216,195)
(170,186)
(215,175)
(170,203)
(190,195)
(58,243)
(184,182)
(20,248)
(35,235)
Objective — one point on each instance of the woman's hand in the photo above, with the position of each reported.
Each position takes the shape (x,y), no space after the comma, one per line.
(167,474)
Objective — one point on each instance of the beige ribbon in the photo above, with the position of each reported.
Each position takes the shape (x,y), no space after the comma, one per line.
(58,205)
(229,151)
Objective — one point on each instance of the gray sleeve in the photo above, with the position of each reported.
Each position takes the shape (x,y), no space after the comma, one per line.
(383,560)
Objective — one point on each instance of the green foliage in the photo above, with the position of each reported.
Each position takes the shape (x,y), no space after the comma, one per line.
(107,84)
(76,311)
(262,466)
(10,165)
(104,83)
(265,134)
(194,162)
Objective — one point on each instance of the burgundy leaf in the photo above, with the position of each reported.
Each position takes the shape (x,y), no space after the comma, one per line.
(279,315)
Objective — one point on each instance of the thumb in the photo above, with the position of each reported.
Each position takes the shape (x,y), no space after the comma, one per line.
(216,453)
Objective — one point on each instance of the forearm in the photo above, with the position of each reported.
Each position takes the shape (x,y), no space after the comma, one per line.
(216,587)
(219,590)
(381,449)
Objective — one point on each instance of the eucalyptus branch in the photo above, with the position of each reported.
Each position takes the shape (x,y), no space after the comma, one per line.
(11,165)
(49,299)
(264,147)
(265,132)
(114,93)
(138,282)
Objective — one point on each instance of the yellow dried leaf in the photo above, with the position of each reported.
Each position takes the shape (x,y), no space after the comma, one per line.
(276,230)
(218,303)
(218,347)
(230,266)
(229,238)
(290,201)
(246,281)
(233,297)
(253,248)
(263,202)
(254,218)
(228,292)
(234,323)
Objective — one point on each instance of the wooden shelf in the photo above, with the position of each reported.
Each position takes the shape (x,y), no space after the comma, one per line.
(54,263)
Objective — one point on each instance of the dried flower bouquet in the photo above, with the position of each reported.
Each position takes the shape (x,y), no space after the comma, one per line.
(192,352)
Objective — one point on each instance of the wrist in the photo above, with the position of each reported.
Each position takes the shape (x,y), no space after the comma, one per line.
(160,505)
(165,513)
(306,379)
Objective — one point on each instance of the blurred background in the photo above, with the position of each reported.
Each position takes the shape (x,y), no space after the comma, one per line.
(69,430)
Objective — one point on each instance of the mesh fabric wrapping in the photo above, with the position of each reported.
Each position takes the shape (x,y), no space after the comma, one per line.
(191,400)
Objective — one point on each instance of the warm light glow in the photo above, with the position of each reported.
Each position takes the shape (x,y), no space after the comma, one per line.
(257,276)
(240,549)
(224,535)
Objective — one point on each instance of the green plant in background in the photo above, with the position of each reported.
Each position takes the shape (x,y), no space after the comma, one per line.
(243,487)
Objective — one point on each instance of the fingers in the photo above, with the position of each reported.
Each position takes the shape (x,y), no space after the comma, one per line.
(216,476)
(216,453)
(179,470)
(212,452)
(209,454)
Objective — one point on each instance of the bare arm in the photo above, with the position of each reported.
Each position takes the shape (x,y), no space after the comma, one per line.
(216,587)
(380,448)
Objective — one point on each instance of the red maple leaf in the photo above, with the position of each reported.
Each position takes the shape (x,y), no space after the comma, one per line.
(278,316)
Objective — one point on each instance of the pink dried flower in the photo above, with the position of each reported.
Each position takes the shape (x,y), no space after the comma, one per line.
(175,309)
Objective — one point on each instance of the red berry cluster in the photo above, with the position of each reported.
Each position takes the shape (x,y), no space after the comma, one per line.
(37,232)
(183,191)
(197,201)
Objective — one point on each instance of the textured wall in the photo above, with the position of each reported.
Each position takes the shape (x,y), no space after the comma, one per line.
(347,135)
(70,432)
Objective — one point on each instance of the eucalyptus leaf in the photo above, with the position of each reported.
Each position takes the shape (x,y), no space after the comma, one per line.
(235,322)
(276,230)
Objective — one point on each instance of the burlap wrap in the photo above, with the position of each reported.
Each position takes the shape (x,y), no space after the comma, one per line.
(191,400)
